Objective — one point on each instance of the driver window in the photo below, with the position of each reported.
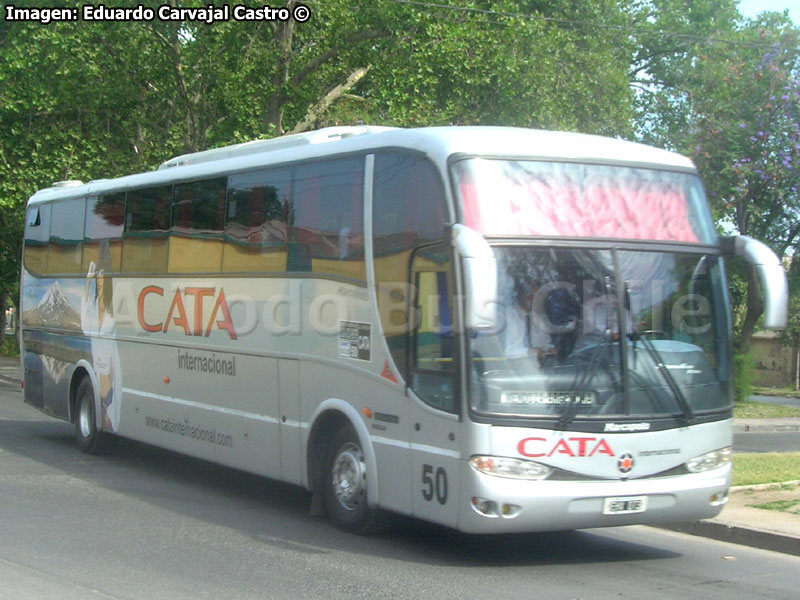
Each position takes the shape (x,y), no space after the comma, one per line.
(433,347)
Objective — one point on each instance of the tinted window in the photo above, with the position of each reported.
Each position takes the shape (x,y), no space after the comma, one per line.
(326,224)
(66,236)
(145,246)
(198,207)
(259,211)
(433,368)
(198,215)
(408,206)
(408,210)
(148,210)
(37,237)
(102,232)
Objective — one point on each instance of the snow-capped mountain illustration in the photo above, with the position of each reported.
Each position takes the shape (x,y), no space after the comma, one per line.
(53,310)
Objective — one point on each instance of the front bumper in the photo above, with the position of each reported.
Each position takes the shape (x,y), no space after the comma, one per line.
(565,505)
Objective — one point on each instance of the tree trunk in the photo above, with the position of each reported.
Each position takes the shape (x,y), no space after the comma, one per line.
(273,119)
(755,308)
(3,307)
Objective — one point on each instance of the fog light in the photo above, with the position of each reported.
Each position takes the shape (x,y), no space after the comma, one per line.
(511,510)
(719,499)
(487,508)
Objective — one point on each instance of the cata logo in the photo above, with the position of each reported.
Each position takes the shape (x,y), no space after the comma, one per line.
(177,316)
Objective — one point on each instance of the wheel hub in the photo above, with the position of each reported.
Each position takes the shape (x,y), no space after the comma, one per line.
(85,418)
(349,476)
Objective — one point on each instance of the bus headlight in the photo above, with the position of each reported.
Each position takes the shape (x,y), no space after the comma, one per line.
(709,461)
(510,467)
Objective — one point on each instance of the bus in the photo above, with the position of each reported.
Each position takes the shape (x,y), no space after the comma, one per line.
(493,329)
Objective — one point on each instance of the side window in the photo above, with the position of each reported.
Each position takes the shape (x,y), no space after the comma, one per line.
(433,344)
(66,237)
(198,214)
(144,245)
(408,210)
(102,232)
(37,238)
(259,212)
(326,233)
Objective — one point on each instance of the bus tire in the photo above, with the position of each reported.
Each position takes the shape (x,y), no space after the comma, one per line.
(89,438)
(345,486)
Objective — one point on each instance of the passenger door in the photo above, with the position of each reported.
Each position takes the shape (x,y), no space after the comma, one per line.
(433,382)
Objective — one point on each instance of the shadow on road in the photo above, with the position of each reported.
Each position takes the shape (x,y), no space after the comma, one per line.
(276,514)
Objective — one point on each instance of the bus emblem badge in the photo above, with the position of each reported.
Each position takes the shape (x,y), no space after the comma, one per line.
(625,463)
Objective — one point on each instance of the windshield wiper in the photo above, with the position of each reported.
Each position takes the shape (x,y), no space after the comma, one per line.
(680,397)
(571,410)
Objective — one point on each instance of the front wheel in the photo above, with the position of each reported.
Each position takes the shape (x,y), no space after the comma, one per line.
(346,484)
(89,438)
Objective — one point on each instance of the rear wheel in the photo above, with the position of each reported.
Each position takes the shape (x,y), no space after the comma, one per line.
(346,484)
(90,439)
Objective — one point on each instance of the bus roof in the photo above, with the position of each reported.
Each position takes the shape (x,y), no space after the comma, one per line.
(440,143)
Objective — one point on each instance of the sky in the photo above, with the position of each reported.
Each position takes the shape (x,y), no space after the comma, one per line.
(751,8)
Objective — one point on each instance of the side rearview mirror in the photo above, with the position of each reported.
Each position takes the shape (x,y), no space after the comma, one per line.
(480,277)
(770,272)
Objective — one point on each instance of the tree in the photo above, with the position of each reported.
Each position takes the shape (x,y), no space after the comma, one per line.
(747,139)
(727,95)
(93,100)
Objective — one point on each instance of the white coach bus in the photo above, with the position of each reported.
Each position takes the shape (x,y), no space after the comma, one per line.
(498,330)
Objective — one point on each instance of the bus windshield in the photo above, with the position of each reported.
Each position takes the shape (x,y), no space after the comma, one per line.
(552,199)
(602,333)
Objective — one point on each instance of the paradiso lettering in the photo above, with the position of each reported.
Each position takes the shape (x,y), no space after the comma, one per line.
(219,317)
(537,447)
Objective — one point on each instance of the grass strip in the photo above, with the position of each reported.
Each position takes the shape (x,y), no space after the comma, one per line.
(763,410)
(765,467)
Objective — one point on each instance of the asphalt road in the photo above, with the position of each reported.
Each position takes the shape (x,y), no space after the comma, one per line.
(150,524)
(767,441)
(786,401)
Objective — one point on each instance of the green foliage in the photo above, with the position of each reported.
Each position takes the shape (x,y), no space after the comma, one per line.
(763,410)
(768,467)
(732,107)
(743,367)
(91,100)
(790,506)
(791,334)
(9,346)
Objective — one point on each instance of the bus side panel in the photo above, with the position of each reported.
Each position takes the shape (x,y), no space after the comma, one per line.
(435,465)
(54,339)
(33,362)
(389,428)
(290,446)
(388,425)
(60,354)
(214,405)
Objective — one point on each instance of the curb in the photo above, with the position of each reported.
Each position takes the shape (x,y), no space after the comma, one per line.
(736,534)
(754,428)
(759,487)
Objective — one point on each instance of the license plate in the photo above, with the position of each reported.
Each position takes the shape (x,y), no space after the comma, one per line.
(625,505)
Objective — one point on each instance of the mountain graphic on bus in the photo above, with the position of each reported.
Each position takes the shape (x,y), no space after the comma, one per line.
(54,310)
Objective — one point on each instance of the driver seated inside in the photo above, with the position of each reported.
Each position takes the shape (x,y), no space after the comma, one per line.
(526,330)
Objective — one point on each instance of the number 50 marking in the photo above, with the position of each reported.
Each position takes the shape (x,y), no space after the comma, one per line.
(434,484)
